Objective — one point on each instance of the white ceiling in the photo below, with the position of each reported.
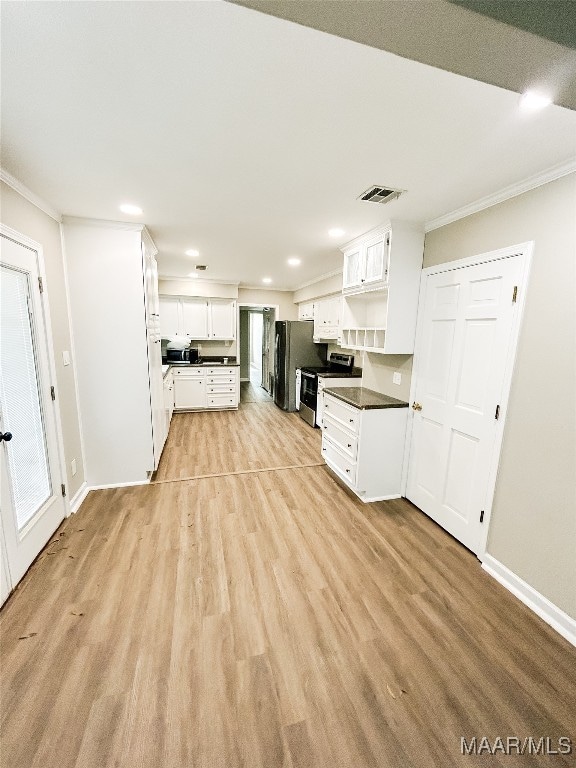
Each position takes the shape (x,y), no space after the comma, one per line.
(247,136)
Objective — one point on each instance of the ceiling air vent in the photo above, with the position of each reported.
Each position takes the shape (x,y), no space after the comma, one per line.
(379,194)
(201,267)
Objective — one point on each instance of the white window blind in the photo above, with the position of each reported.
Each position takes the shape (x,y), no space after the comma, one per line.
(20,404)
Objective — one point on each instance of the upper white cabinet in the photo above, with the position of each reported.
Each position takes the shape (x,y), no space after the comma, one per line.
(222,320)
(198,318)
(327,317)
(115,318)
(195,318)
(380,289)
(366,262)
(306,310)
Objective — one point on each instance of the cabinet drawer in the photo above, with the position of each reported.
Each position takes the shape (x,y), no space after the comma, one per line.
(188,373)
(220,371)
(220,379)
(221,389)
(348,416)
(345,441)
(221,401)
(343,465)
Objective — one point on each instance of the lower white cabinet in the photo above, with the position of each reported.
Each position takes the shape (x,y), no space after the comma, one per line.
(325,381)
(204,388)
(306,310)
(365,446)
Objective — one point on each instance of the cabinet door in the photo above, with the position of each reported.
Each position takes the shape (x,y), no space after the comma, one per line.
(352,268)
(189,392)
(195,318)
(306,311)
(223,319)
(376,260)
(170,320)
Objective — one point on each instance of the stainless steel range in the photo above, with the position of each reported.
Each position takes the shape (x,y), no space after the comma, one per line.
(339,369)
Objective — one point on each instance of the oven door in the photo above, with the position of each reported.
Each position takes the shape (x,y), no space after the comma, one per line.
(308,397)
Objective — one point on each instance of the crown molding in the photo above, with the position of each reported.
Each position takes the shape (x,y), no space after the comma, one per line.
(325,276)
(532,182)
(32,197)
(127,226)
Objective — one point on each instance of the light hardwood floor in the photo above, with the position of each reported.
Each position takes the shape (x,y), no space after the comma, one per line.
(268,620)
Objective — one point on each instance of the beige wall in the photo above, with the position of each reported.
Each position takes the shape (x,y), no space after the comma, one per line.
(377,372)
(29,220)
(533,527)
(319,288)
(287,310)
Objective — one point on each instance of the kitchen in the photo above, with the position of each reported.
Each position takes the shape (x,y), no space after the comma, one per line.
(274,567)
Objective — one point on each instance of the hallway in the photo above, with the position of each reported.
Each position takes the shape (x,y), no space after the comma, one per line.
(259,618)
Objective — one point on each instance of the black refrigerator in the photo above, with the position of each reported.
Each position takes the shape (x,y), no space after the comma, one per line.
(293,348)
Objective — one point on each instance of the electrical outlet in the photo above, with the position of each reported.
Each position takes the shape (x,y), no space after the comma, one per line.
(73,465)
(396,377)
(66,357)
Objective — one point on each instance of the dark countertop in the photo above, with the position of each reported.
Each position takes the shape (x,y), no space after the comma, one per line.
(355,373)
(364,399)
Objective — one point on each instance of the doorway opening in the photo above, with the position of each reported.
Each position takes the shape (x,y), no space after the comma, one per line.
(256,350)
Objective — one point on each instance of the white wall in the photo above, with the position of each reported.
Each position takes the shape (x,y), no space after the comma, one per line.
(21,215)
(287,310)
(533,527)
(197,288)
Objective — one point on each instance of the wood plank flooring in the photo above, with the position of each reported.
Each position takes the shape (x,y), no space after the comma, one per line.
(257,436)
(269,620)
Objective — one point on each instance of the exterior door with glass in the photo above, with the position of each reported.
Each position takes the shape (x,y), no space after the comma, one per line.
(32,503)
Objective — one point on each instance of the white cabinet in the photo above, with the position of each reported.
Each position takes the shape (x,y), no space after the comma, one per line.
(365,447)
(327,317)
(198,318)
(203,387)
(195,318)
(366,261)
(382,273)
(222,319)
(306,310)
(168,399)
(189,388)
(327,382)
(115,317)
(169,316)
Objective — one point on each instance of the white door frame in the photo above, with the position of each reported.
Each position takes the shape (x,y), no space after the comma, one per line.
(524,251)
(27,242)
(250,305)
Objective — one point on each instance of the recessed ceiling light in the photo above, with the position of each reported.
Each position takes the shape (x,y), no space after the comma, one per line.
(192,252)
(336,232)
(131,210)
(532,100)
(193,274)
(266,279)
(294,262)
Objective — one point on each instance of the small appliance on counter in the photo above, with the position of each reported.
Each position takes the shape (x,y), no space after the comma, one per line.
(178,350)
(337,372)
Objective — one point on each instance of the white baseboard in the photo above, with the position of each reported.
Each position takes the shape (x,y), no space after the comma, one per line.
(244,379)
(380,498)
(78,498)
(118,485)
(84,490)
(559,620)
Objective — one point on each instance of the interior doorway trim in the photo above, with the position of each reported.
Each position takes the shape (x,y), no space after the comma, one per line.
(524,252)
(27,242)
(252,305)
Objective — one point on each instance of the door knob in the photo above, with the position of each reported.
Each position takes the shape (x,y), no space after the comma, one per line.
(7,436)
(416,406)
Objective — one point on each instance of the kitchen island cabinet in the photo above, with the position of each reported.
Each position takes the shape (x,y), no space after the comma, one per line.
(363,434)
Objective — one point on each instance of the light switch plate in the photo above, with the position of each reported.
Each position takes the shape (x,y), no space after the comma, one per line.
(66,357)
(396,377)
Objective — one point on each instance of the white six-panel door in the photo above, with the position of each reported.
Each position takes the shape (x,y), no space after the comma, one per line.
(465,339)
